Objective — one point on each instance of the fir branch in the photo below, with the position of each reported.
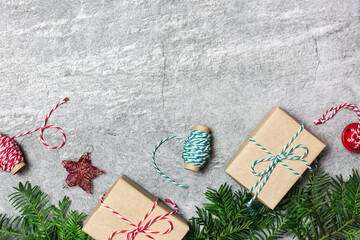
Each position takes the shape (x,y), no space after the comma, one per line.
(227,216)
(73,226)
(33,205)
(39,220)
(325,208)
(59,217)
(14,228)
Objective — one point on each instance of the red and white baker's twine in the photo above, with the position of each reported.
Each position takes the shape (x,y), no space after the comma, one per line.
(139,228)
(335,109)
(10,153)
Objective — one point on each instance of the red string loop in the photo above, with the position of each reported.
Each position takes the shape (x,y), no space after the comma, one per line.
(43,127)
(10,153)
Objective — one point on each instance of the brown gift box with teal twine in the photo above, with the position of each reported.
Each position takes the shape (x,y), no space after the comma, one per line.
(276,154)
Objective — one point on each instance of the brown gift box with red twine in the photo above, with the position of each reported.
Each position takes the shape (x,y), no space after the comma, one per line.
(127,211)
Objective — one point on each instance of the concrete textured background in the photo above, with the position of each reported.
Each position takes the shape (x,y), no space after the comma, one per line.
(138,71)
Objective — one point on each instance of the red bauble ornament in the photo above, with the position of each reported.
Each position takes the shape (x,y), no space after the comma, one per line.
(351,137)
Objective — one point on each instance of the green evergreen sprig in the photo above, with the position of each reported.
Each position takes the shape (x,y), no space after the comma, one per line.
(325,208)
(39,219)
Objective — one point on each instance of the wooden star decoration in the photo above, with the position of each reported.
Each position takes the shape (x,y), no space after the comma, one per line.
(81,173)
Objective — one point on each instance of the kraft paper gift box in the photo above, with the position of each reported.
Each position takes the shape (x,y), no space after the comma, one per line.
(273,133)
(132,202)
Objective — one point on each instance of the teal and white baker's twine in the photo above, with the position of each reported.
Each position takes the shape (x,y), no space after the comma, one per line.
(196,150)
(289,155)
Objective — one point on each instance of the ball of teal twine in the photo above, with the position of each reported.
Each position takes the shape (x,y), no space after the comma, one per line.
(196,151)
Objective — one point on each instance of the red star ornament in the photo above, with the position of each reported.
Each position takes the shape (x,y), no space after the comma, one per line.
(81,173)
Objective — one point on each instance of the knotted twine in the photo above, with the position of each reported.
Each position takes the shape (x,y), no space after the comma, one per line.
(196,150)
(10,153)
(275,159)
(139,228)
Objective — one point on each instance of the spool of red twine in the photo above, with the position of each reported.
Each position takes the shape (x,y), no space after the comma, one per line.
(11,157)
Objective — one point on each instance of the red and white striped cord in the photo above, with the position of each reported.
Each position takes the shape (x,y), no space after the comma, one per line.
(43,127)
(131,234)
(335,109)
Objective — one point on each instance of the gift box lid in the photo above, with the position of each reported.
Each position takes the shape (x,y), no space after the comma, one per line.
(132,202)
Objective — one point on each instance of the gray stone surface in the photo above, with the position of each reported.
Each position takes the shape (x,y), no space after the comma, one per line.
(139,71)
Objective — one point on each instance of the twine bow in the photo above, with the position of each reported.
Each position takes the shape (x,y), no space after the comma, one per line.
(275,159)
(144,229)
